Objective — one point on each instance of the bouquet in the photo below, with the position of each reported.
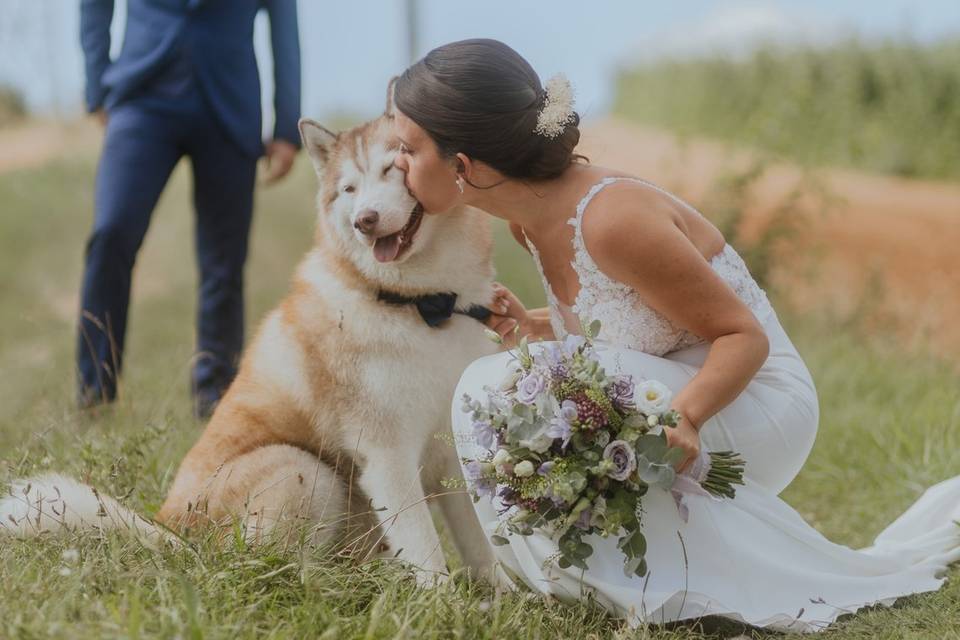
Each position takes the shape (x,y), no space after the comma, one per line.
(571,451)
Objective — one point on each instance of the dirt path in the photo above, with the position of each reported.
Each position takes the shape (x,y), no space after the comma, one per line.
(38,142)
(901,235)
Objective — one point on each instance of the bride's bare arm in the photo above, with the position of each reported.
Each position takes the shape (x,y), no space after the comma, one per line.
(638,239)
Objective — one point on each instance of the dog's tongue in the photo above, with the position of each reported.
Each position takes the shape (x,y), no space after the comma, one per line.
(387,248)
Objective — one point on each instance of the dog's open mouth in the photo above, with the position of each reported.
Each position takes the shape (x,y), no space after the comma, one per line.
(389,248)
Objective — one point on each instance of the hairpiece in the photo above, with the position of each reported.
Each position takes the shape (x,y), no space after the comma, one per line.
(557,110)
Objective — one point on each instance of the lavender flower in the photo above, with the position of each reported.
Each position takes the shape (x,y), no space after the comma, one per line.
(529,387)
(573,342)
(568,411)
(545,468)
(560,428)
(476,475)
(485,434)
(624,460)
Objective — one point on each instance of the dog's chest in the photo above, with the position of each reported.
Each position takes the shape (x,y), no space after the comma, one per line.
(412,380)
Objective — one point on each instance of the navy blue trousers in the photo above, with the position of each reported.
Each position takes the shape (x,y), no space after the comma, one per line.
(145,138)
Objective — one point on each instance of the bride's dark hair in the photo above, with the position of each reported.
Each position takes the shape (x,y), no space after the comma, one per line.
(481,98)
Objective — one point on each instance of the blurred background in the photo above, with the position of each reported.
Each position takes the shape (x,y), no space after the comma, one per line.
(822,137)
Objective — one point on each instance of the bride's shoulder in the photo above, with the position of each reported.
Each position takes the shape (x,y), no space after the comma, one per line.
(627,211)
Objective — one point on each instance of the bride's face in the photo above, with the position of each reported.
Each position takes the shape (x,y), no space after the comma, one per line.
(429,177)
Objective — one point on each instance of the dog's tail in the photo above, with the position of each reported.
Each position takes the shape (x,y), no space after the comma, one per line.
(54,503)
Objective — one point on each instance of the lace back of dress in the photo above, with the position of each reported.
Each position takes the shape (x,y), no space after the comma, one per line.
(624,317)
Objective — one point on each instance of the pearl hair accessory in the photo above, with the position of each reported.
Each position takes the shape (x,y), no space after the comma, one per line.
(557,111)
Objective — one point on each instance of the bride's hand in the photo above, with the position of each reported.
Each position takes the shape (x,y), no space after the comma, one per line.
(686,437)
(508,313)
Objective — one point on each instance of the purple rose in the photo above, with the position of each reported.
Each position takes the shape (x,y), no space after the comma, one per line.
(529,387)
(568,410)
(624,460)
(621,390)
(545,468)
(485,434)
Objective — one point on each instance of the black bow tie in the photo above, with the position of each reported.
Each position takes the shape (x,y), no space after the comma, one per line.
(435,308)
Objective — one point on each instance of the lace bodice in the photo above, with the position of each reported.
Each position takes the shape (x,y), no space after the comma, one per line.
(624,317)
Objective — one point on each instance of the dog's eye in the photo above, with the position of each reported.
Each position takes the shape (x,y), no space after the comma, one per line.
(349,188)
(387,168)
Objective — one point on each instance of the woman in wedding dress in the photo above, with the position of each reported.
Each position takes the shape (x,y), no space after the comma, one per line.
(676,304)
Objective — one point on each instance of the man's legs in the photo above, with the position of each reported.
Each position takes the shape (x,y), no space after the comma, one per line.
(223,194)
(139,153)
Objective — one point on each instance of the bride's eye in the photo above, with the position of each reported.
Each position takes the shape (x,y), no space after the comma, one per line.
(403,149)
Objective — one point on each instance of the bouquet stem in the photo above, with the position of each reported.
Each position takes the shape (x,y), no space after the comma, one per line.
(726,470)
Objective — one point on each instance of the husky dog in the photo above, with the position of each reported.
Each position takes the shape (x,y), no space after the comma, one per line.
(343,390)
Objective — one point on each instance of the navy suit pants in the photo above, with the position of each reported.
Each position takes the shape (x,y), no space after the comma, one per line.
(144,141)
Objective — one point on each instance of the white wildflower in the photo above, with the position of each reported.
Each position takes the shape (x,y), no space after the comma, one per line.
(652,396)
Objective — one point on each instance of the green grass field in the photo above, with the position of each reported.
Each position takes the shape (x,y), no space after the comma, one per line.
(890,427)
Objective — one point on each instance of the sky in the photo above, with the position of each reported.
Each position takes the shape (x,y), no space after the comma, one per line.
(351,49)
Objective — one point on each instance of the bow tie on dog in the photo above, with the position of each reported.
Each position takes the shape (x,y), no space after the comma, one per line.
(435,308)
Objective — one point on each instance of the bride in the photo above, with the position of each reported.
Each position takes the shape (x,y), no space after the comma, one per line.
(676,304)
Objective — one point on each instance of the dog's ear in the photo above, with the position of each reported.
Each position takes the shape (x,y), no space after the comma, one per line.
(318,141)
(391,107)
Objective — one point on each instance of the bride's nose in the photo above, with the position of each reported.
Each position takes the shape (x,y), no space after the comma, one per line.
(400,162)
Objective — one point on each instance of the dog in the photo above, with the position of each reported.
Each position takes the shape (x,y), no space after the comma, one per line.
(339,399)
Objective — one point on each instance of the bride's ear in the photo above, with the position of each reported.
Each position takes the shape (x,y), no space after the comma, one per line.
(390,108)
(463,166)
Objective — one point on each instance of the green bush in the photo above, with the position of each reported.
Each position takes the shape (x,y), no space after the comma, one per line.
(892,107)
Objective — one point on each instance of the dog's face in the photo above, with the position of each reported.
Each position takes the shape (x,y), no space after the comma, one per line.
(363,198)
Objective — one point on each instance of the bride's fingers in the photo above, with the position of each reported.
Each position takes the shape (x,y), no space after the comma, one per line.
(505,326)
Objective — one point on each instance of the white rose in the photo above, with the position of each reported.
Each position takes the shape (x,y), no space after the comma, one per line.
(524,469)
(500,457)
(652,420)
(652,396)
(539,444)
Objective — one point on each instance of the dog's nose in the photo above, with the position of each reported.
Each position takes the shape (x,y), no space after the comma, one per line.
(367,221)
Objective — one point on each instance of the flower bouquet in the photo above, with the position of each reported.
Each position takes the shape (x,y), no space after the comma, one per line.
(571,451)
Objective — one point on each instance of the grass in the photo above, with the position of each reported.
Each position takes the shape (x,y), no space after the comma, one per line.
(891,106)
(890,427)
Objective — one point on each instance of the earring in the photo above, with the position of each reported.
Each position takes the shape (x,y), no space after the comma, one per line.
(460,183)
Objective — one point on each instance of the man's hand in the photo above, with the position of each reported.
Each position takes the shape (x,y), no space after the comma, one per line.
(280,157)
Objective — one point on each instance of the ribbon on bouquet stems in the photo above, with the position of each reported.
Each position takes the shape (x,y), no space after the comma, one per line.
(690,483)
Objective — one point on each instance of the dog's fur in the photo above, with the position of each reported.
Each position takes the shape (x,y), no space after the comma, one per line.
(339,397)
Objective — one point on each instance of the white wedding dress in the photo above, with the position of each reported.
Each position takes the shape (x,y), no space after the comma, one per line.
(752,558)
